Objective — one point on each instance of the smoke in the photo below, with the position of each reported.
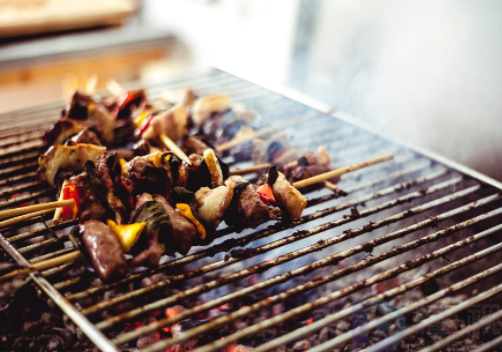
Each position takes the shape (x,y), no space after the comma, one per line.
(426,72)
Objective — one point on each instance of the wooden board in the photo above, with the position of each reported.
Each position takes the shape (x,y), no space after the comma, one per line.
(26,17)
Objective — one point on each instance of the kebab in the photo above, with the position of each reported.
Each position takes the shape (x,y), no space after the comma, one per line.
(195,222)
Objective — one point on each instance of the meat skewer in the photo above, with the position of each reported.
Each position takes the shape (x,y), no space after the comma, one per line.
(43,265)
(146,213)
(253,168)
(117,268)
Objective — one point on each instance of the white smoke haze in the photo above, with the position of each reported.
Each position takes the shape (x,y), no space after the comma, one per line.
(427,72)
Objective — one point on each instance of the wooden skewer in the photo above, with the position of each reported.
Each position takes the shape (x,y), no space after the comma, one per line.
(250,169)
(46,264)
(22,218)
(335,173)
(59,211)
(331,186)
(236,141)
(174,148)
(34,208)
(75,255)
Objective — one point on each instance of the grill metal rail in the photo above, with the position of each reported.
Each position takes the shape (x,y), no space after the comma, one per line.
(412,212)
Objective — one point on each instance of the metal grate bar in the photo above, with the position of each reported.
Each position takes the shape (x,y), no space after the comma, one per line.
(346,205)
(94,335)
(264,284)
(330,259)
(278,319)
(387,295)
(287,257)
(439,195)
(438,317)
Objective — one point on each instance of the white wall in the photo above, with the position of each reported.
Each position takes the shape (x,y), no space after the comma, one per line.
(429,72)
(252,38)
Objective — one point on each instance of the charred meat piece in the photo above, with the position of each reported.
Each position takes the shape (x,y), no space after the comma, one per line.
(309,165)
(171,122)
(152,242)
(195,145)
(87,135)
(194,176)
(144,177)
(104,169)
(92,204)
(123,130)
(67,158)
(91,114)
(247,209)
(104,250)
(102,121)
(63,129)
(302,172)
(78,107)
(184,234)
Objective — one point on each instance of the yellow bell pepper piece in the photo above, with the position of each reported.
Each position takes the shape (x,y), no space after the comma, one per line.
(187,213)
(141,119)
(156,159)
(123,165)
(128,234)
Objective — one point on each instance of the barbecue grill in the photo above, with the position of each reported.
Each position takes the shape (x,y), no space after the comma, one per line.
(370,265)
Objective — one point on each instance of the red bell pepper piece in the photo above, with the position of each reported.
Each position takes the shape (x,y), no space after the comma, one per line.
(70,191)
(146,124)
(127,191)
(266,193)
(135,97)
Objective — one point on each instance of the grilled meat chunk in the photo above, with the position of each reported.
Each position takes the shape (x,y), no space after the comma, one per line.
(308,166)
(152,243)
(195,145)
(106,175)
(63,129)
(194,176)
(144,177)
(91,114)
(104,249)
(247,209)
(302,172)
(66,157)
(87,135)
(171,122)
(184,234)
(92,204)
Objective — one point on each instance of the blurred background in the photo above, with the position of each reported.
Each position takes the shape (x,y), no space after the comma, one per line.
(426,72)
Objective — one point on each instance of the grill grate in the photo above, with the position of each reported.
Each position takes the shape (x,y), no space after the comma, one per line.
(417,221)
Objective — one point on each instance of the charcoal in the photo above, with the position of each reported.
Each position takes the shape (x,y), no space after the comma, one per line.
(55,343)
(326,334)
(148,340)
(343,326)
(301,345)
